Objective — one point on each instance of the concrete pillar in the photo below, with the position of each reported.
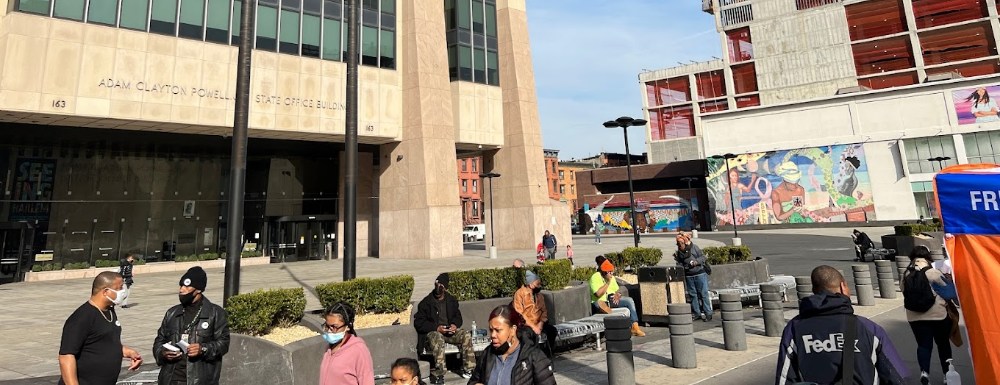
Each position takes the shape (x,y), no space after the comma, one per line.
(682,352)
(803,287)
(522,210)
(419,208)
(621,363)
(863,285)
(774,313)
(902,262)
(734,332)
(886,284)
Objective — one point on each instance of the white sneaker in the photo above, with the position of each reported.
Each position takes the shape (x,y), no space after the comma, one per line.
(924,378)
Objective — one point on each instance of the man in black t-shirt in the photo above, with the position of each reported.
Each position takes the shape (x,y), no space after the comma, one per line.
(91,349)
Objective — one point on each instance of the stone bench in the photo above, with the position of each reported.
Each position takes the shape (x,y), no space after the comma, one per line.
(752,292)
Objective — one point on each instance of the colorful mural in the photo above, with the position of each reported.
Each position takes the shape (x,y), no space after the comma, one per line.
(659,210)
(976,105)
(823,184)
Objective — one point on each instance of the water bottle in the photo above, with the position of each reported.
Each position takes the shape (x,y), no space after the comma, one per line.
(952,377)
(475,332)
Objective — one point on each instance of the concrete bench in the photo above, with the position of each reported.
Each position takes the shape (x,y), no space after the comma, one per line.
(751,292)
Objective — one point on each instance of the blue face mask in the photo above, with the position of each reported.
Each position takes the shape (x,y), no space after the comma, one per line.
(333,338)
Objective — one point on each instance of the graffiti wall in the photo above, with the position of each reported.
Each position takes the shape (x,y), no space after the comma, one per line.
(658,210)
(821,184)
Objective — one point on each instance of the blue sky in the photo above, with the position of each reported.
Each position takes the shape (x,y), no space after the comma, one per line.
(587,57)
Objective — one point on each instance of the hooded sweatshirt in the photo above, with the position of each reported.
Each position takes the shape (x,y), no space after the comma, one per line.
(812,345)
(349,365)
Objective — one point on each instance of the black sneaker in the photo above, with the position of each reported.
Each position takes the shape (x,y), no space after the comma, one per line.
(467,374)
(707,318)
(696,317)
(437,380)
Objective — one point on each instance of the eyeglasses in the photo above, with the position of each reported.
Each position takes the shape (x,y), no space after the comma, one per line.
(334,328)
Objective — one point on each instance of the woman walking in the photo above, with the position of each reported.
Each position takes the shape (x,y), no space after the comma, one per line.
(926,311)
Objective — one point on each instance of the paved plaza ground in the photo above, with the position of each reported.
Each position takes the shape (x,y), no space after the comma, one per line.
(36,311)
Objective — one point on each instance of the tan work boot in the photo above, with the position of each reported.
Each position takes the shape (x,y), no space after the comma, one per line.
(636,331)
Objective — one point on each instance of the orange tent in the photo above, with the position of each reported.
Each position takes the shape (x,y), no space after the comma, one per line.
(969,199)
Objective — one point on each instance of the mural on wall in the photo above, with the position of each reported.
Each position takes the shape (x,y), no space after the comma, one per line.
(32,189)
(821,184)
(976,105)
(656,211)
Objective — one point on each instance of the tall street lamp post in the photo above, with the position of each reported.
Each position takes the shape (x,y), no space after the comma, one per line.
(940,161)
(732,202)
(493,246)
(625,122)
(351,142)
(690,198)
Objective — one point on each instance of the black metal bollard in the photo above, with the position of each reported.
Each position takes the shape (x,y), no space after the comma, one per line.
(803,287)
(682,352)
(774,314)
(734,333)
(863,285)
(886,285)
(621,364)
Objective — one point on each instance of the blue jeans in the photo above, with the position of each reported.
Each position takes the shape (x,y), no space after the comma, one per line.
(624,302)
(696,287)
(597,236)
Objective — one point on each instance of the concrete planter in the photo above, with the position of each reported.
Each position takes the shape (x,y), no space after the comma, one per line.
(739,274)
(297,363)
(152,267)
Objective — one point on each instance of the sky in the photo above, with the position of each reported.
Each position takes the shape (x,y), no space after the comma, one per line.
(588,54)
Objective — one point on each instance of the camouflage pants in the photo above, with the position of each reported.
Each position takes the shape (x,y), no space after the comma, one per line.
(463,339)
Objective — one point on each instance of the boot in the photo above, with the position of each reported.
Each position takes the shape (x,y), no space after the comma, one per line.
(636,331)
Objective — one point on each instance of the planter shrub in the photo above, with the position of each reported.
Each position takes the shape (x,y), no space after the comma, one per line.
(197,257)
(106,263)
(911,229)
(583,273)
(727,254)
(369,295)
(77,266)
(476,284)
(47,267)
(555,274)
(250,254)
(258,312)
(638,257)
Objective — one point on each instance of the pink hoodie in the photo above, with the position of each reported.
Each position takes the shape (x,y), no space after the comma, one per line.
(349,365)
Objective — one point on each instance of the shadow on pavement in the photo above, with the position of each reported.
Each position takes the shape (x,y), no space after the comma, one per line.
(660,360)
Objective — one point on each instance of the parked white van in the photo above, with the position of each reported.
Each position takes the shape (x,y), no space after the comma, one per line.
(473,233)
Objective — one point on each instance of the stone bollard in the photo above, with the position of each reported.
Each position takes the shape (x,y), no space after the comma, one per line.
(863,285)
(621,364)
(734,332)
(682,351)
(803,287)
(774,314)
(886,285)
(901,264)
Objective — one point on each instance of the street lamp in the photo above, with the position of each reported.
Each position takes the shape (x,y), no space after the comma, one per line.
(625,122)
(690,179)
(940,160)
(732,202)
(493,247)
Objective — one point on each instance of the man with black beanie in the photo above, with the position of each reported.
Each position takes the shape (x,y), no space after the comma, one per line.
(437,322)
(193,336)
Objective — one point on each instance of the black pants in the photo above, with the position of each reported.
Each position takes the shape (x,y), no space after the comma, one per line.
(928,333)
(549,333)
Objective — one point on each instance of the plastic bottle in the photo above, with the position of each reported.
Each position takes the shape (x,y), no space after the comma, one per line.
(952,377)
(475,332)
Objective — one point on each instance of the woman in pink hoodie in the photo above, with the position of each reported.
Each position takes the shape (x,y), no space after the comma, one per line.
(347,361)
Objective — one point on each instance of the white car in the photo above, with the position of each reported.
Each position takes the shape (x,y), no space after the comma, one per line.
(473,233)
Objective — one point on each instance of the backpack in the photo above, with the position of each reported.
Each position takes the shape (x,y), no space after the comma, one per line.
(917,293)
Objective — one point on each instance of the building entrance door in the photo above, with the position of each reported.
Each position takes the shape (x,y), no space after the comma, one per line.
(15,251)
(302,237)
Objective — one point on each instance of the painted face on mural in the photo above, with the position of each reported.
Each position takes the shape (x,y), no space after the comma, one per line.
(789,172)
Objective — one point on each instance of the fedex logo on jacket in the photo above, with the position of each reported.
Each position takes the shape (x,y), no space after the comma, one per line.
(835,343)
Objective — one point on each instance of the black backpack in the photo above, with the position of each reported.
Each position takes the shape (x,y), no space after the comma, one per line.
(917,293)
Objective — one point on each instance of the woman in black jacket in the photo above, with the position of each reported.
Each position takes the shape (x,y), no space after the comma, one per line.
(510,355)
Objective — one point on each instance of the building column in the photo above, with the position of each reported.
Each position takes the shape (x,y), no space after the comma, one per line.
(521,207)
(366,207)
(419,212)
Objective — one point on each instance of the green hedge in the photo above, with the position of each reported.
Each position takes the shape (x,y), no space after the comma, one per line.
(369,295)
(250,254)
(727,254)
(632,258)
(47,267)
(476,284)
(910,229)
(583,273)
(197,257)
(77,266)
(258,312)
(107,263)
(555,274)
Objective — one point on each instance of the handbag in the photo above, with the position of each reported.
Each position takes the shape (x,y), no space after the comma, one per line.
(956,330)
(708,268)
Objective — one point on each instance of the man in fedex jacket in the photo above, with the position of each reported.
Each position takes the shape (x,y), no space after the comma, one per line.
(812,342)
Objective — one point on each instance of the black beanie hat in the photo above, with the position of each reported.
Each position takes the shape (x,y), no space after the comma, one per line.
(443,279)
(195,277)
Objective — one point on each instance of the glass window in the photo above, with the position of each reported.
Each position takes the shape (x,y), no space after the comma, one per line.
(983,147)
(453,62)
(673,90)
(331,39)
(389,6)
(69,9)
(740,45)
(492,71)
(192,16)
(465,63)
(875,18)
(713,106)
(475,185)
(310,35)
(289,31)
(34,6)
(745,78)
(333,9)
(387,49)
(889,81)
(463,14)
(217,28)
(369,46)
(133,15)
(933,13)
(478,16)
(748,101)
(235,24)
(883,55)
(918,150)
(314,7)
(491,20)
(267,27)
(102,12)
(164,17)
(479,62)
(971,41)
(465,185)
(671,122)
(711,85)
(969,70)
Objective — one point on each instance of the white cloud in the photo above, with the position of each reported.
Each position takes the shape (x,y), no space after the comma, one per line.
(588,54)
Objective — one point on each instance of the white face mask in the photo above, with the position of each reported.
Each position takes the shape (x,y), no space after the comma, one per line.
(120,296)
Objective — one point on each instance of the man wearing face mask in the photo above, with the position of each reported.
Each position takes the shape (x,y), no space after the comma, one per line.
(530,304)
(91,350)
(437,322)
(198,324)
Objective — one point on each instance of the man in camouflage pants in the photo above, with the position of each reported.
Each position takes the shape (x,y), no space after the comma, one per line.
(438,322)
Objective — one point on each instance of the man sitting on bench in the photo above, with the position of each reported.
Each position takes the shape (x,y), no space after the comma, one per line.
(530,304)
(437,322)
(604,294)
